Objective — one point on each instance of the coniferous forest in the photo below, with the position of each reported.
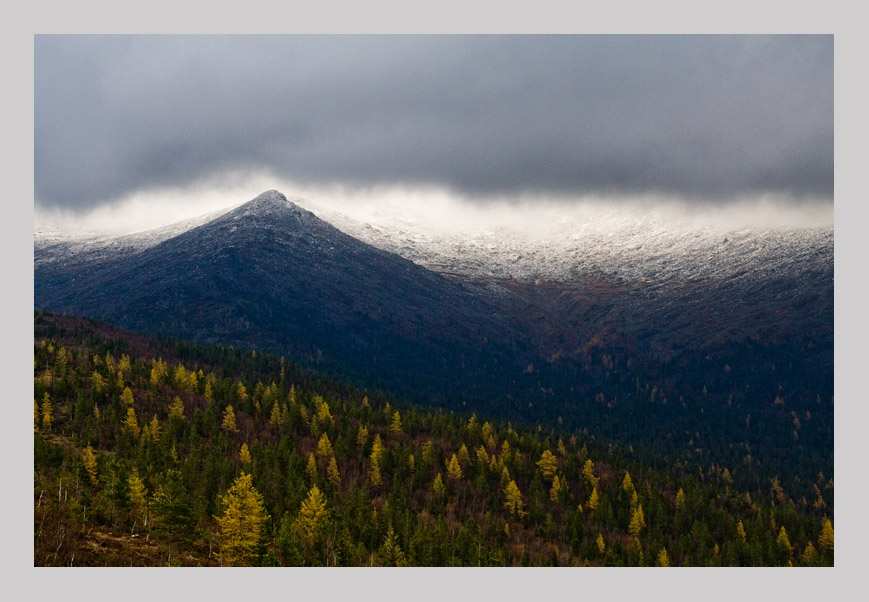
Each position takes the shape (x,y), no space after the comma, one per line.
(151,452)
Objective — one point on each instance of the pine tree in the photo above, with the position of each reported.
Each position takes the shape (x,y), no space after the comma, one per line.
(244,455)
(513,502)
(241,524)
(454,469)
(90,464)
(312,515)
(663,558)
(324,446)
(229,419)
(395,427)
(332,473)
(825,540)
(547,464)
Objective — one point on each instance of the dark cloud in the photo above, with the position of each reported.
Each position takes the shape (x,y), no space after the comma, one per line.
(705,117)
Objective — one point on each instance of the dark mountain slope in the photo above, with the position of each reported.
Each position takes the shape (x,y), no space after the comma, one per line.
(270,275)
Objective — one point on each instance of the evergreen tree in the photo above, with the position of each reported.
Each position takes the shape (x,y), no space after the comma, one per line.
(390,552)
(241,524)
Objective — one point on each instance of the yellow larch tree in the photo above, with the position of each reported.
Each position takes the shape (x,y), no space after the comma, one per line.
(241,524)
(487,433)
(513,501)
(411,463)
(208,393)
(555,489)
(127,397)
(332,473)
(229,419)
(482,456)
(547,464)
(131,422)
(90,464)
(588,473)
(376,448)
(158,370)
(277,417)
(312,515)
(244,455)
(154,429)
(324,446)
(437,487)
(428,452)
(395,427)
(601,544)
(663,558)
(36,416)
(825,540)
(638,521)
(138,497)
(593,500)
(464,456)
(362,436)
(176,409)
(98,381)
(680,500)
(311,468)
(454,469)
(627,483)
(47,413)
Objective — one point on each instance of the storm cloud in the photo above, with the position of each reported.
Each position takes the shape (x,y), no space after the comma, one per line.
(694,117)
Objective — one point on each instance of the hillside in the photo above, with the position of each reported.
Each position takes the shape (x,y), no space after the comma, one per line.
(156,452)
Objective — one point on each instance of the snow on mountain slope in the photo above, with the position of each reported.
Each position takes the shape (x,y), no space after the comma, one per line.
(623,244)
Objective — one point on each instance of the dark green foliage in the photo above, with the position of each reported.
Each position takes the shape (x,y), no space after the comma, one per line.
(194,462)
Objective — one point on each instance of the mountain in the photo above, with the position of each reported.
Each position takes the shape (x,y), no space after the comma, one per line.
(269,275)
(678,341)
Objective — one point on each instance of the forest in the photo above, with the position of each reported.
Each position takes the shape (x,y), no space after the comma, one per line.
(152,452)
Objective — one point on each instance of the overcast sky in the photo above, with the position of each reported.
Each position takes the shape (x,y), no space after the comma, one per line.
(700,118)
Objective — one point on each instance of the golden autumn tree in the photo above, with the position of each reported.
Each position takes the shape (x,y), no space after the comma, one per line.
(333,474)
(312,515)
(228,423)
(601,544)
(825,540)
(588,473)
(638,521)
(513,501)
(464,456)
(437,487)
(454,469)
(36,416)
(740,530)
(90,464)
(324,446)
(47,413)
(680,500)
(663,558)
(547,464)
(555,489)
(176,409)
(131,422)
(241,523)
(395,426)
(593,500)
(244,455)
(277,417)
(362,436)
(138,497)
(311,468)
(627,483)
(127,397)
